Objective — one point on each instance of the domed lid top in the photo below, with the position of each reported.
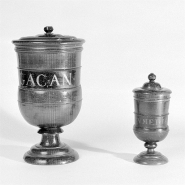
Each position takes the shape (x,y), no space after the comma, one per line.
(49,37)
(152,87)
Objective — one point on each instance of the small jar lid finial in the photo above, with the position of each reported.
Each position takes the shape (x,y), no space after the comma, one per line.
(151,85)
(152,77)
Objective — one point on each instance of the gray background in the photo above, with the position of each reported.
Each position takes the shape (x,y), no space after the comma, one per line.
(125,41)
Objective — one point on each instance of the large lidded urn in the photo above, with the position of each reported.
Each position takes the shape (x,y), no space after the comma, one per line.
(151,103)
(50,94)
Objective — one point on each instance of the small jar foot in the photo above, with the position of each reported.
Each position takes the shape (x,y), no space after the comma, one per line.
(155,158)
(150,157)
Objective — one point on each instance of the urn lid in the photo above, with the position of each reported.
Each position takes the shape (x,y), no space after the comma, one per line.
(152,87)
(48,38)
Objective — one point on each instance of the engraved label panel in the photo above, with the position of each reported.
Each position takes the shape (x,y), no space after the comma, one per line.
(49,79)
(151,122)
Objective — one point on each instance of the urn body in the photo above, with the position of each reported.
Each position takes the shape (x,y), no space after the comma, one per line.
(49,93)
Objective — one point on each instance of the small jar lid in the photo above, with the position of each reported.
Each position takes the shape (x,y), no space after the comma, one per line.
(48,38)
(152,87)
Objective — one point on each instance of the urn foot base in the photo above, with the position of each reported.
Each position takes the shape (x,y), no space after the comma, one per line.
(39,155)
(146,158)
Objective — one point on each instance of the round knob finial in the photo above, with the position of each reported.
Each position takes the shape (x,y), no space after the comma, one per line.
(48,29)
(151,77)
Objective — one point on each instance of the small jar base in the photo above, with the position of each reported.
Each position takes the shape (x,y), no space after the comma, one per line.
(155,158)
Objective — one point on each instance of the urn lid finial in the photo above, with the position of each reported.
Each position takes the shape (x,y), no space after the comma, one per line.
(48,29)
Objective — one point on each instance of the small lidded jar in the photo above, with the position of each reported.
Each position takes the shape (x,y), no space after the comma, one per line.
(151,103)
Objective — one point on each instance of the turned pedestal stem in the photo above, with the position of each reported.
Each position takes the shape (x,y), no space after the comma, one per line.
(50,150)
(150,146)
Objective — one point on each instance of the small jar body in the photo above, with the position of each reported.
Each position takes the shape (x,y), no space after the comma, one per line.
(151,116)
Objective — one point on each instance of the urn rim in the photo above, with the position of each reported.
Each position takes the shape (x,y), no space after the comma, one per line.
(49,38)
